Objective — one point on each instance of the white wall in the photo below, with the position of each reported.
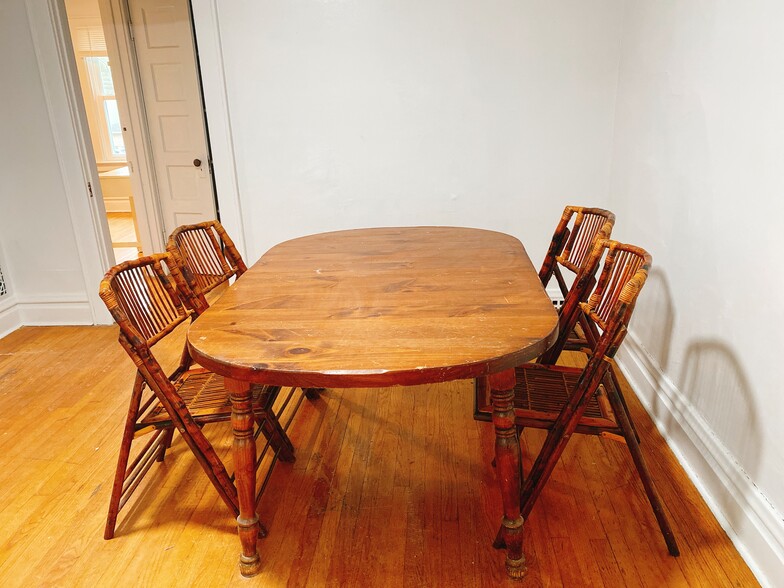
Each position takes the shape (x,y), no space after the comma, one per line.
(378,112)
(698,178)
(37,235)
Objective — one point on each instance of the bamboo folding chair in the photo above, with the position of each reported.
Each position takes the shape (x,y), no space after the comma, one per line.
(206,256)
(149,299)
(577,232)
(567,400)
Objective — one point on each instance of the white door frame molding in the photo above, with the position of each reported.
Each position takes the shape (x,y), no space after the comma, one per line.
(213,79)
(60,81)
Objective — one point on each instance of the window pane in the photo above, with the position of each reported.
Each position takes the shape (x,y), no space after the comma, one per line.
(115,128)
(100,75)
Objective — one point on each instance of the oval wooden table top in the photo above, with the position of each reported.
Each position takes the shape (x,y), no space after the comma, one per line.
(379,307)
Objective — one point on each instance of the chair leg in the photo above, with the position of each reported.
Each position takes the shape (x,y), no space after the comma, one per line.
(554,444)
(209,461)
(312,393)
(278,440)
(630,434)
(617,386)
(271,427)
(122,459)
(117,487)
(194,437)
(167,441)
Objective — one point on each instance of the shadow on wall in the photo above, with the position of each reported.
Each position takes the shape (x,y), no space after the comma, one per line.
(712,401)
(653,322)
(714,383)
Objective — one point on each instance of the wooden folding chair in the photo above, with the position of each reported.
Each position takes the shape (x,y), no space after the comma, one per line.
(149,299)
(567,400)
(574,238)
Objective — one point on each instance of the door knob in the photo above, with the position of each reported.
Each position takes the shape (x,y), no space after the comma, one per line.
(197,162)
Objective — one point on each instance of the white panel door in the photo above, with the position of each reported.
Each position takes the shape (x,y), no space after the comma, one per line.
(172,100)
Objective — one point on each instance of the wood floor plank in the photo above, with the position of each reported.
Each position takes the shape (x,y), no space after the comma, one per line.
(333,480)
(344,570)
(616,562)
(431,510)
(414,564)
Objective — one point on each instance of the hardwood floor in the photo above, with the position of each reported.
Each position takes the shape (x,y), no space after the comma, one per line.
(125,241)
(378,496)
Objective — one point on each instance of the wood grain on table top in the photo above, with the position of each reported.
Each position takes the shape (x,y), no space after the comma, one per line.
(379,307)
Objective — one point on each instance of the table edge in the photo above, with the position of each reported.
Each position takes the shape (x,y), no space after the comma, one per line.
(364,379)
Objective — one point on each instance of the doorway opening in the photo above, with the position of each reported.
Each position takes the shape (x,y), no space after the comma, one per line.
(106,129)
(137,68)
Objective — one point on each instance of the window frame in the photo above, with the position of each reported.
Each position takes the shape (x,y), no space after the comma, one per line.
(100,130)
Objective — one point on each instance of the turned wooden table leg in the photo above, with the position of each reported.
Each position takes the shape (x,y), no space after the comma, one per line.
(507,457)
(244,451)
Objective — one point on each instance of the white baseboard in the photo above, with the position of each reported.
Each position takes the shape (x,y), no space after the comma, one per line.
(44,311)
(10,319)
(749,519)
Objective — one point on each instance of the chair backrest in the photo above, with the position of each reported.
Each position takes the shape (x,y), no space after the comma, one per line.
(604,309)
(206,255)
(574,238)
(148,298)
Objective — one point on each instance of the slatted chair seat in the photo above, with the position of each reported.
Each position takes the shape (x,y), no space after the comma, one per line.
(541,393)
(205,398)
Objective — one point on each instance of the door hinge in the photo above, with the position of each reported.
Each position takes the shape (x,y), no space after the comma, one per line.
(90,189)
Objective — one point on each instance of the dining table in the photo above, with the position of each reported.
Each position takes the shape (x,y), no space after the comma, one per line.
(379,307)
